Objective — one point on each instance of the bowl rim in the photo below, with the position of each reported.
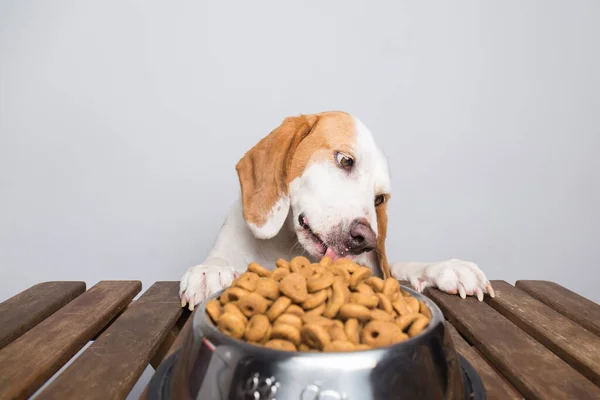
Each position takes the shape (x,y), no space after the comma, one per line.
(202,322)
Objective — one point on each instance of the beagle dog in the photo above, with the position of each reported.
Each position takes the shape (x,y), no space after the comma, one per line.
(317,185)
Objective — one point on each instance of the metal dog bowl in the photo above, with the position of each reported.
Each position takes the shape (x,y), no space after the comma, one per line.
(212,365)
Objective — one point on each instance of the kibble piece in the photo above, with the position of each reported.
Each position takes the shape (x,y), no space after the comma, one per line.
(294,287)
(257,328)
(213,309)
(315,336)
(252,304)
(267,288)
(258,269)
(278,307)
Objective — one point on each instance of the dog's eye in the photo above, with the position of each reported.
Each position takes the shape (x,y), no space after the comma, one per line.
(379,200)
(344,161)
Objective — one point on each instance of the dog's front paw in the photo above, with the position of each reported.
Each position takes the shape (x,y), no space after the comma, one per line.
(201,281)
(454,276)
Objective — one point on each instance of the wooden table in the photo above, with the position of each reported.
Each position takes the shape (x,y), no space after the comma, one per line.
(536,339)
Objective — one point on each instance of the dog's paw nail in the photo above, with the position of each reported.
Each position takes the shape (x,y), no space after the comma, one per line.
(479,294)
(490,290)
(462,291)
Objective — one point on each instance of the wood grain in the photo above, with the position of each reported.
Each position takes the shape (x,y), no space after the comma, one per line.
(533,370)
(110,367)
(168,341)
(495,386)
(25,310)
(184,334)
(581,310)
(34,357)
(567,339)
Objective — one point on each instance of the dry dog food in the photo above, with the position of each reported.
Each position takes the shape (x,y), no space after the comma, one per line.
(326,306)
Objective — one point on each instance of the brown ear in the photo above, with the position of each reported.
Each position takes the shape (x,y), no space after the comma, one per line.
(381,211)
(263,176)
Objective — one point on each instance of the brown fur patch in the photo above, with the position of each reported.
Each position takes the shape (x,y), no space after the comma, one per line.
(382,219)
(263,170)
(334,131)
(266,170)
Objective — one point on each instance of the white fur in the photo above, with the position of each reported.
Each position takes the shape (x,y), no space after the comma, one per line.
(329,198)
(275,220)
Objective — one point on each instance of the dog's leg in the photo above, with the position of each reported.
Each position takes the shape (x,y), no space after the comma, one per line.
(451,276)
(234,248)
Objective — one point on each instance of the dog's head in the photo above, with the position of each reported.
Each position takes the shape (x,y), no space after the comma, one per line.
(328,172)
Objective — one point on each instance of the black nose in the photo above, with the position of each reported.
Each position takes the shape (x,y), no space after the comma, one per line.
(361,237)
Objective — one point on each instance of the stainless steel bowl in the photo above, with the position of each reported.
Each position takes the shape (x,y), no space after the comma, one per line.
(212,365)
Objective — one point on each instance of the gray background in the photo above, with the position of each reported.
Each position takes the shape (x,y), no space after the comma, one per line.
(121,123)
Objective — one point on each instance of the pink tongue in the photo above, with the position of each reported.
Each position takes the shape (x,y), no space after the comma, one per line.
(331,254)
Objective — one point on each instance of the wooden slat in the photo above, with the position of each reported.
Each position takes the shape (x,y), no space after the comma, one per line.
(30,360)
(168,341)
(581,310)
(533,370)
(25,310)
(570,341)
(110,367)
(186,331)
(183,336)
(164,346)
(495,386)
